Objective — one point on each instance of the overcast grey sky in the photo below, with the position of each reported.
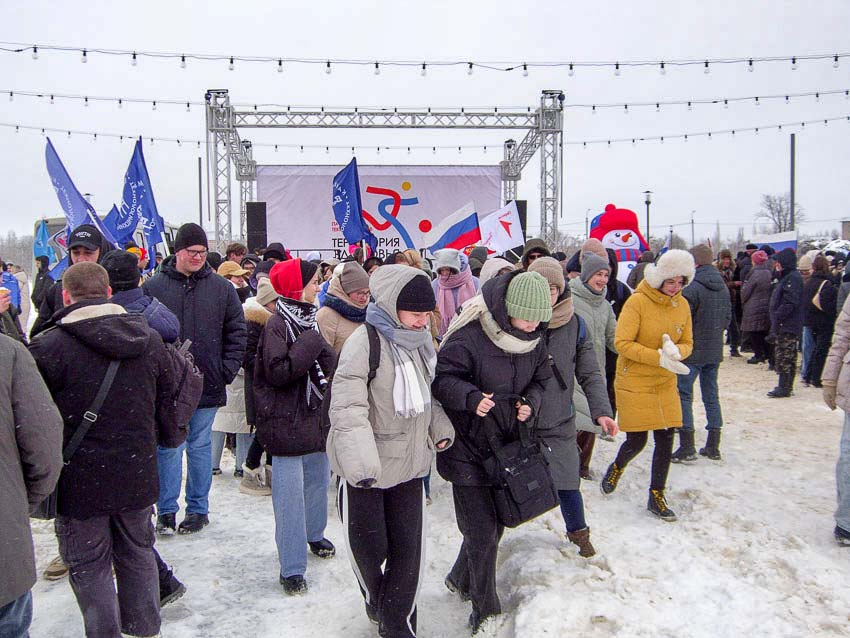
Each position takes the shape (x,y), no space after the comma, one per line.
(721,179)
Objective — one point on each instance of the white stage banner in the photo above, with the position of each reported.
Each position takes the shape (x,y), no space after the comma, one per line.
(400,203)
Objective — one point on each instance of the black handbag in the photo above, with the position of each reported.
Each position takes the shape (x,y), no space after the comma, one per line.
(524,488)
(46,510)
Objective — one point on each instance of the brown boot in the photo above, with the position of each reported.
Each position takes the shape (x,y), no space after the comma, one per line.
(582,539)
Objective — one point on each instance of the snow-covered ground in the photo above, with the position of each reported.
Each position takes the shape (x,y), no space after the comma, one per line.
(751,555)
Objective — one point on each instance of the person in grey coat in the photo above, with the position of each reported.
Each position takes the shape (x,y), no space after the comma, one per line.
(380,442)
(30,463)
(572,357)
(755,295)
(711,311)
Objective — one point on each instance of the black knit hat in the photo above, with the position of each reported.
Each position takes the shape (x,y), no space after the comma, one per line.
(417,295)
(123,270)
(190,235)
(308,269)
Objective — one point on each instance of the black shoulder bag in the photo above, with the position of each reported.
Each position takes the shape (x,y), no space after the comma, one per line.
(46,510)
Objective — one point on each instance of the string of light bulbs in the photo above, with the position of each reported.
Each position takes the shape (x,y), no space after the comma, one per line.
(508,66)
(181,142)
(623,106)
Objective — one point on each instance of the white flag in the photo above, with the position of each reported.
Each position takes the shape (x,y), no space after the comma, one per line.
(501,230)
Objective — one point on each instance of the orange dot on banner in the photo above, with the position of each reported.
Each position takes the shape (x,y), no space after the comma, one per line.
(424,225)
(405,186)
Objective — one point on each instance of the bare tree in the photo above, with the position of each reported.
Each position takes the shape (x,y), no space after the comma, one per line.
(776,211)
(657,243)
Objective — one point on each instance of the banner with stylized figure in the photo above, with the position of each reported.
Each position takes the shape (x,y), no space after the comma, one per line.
(617,228)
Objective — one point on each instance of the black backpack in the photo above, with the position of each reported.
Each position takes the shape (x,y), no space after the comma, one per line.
(374,362)
(190,382)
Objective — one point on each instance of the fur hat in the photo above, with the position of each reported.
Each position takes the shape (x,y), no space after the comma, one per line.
(593,246)
(527,297)
(266,292)
(591,263)
(806,263)
(702,255)
(759,257)
(552,270)
(534,245)
(447,258)
(673,263)
(723,254)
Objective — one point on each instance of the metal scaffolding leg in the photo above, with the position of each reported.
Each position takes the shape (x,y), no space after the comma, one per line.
(510,172)
(551,162)
(218,130)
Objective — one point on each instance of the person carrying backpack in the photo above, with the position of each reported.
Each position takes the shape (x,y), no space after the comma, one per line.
(384,426)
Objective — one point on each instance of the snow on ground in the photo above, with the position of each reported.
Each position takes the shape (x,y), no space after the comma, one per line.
(751,555)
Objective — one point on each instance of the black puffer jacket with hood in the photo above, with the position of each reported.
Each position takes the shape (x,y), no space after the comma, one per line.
(469,364)
(711,311)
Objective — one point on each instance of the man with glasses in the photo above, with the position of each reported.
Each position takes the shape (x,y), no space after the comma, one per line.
(211,318)
(533,249)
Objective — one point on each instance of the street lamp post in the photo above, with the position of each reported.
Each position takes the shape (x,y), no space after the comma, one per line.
(647,201)
(693,243)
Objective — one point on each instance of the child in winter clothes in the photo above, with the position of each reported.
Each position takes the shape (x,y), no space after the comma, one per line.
(290,378)
(572,356)
(653,335)
(381,438)
(494,351)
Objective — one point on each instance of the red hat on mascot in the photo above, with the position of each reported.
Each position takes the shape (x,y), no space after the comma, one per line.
(616,219)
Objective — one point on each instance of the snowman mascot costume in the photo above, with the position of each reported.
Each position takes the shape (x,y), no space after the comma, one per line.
(617,228)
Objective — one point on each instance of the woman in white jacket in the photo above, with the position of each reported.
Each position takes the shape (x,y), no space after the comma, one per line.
(382,435)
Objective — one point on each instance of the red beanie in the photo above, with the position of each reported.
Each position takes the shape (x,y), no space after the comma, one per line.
(759,257)
(286,279)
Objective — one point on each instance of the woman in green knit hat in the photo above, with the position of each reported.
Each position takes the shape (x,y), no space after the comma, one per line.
(490,376)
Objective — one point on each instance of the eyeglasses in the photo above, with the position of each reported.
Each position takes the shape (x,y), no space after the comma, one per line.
(534,256)
(197,253)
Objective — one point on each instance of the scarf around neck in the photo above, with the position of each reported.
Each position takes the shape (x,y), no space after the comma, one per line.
(476,310)
(299,316)
(414,360)
(452,291)
(345,309)
(562,312)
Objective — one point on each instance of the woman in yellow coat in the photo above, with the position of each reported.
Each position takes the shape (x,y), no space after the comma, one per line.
(653,336)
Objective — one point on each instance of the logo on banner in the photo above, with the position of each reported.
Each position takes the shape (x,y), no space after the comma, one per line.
(388,210)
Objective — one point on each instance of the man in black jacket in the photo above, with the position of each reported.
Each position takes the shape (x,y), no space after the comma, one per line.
(786,321)
(109,484)
(711,311)
(211,318)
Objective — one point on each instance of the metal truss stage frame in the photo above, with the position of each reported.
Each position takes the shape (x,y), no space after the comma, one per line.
(226,149)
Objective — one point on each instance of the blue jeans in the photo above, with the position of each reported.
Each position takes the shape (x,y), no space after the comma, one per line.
(707,373)
(300,500)
(842,479)
(198,467)
(572,509)
(808,350)
(243,443)
(15,618)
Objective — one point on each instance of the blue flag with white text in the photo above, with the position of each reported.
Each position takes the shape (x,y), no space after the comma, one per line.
(347,207)
(41,245)
(138,205)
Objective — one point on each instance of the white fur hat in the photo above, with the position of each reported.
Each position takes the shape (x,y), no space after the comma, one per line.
(673,263)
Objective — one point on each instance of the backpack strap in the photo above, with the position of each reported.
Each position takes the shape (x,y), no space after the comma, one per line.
(374,351)
(90,415)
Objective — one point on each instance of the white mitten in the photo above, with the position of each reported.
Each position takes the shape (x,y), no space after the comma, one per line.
(668,363)
(670,348)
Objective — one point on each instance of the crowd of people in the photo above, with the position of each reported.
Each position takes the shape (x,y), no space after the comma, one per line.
(367,370)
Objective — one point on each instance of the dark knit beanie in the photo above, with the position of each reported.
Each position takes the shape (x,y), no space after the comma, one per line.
(123,270)
(417,295)
(190,235)
(308,269)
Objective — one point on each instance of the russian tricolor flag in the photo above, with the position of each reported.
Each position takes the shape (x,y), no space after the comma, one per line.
(458,230)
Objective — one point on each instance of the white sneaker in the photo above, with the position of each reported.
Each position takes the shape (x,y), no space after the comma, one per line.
(254,482)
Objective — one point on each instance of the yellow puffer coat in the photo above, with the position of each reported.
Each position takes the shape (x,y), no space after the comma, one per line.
(647,398)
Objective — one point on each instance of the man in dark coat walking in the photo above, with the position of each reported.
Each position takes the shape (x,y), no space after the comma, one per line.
(211,317)
(107,487)
(786,321)
(711,311)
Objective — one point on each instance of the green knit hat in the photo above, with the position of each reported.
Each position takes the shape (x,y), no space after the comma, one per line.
(528,297)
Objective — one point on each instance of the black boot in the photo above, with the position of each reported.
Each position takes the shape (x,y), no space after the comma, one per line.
(733,352)
(193,523)
(611,478)
(323,548)
(712,446)
(686,452)
(783,388)
(658,505)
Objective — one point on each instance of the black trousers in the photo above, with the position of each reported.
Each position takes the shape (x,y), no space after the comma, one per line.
(636,441)
(757,341)
(474,570)
(386,526)
(823,339)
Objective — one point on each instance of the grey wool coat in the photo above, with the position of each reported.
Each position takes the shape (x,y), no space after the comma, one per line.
(30,462)
(572,358)
(367,440)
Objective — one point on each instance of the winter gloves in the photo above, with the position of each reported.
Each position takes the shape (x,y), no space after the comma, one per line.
(829,392)
(671,357)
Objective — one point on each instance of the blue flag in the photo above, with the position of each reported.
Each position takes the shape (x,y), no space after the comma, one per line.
(57,270)
(348,210)
(41,246)
(138,201)
(76,208)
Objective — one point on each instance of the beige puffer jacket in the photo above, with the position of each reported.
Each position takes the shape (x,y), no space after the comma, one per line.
(367,440)
(837,369)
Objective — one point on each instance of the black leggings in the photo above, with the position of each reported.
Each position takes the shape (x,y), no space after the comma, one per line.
(635,442)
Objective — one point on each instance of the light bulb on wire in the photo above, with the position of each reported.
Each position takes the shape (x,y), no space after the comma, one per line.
(84,58)
(328,67)
(35,52)
(134,60)
(231,66)
(182,61)
(469,69)
(377,69)
(280,66)
(424,71)
(662,70)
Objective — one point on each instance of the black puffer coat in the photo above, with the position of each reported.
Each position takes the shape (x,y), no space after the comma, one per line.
(468,365)
(823,319)
(755,294)
(711,311)
(786,303)
(286,424)
(211,317)
(114,468)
